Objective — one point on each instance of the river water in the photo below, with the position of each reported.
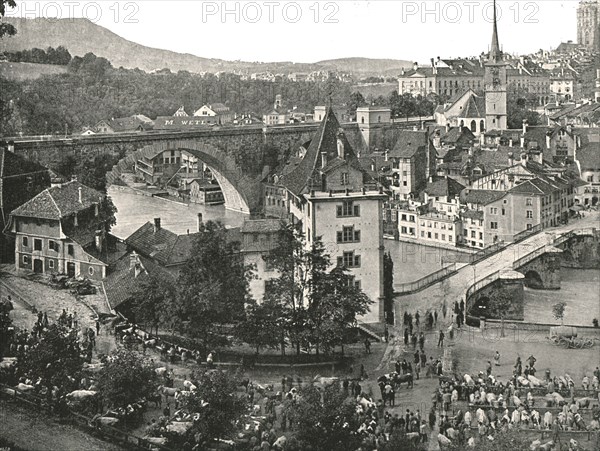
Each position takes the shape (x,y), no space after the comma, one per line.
(134,210)
(579,288)
(411,261)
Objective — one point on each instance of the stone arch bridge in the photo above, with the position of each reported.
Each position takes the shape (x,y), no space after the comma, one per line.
(239,155)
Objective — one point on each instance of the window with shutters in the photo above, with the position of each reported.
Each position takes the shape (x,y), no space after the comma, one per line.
(345,179)
(349,260)
(348,235)
(348,209)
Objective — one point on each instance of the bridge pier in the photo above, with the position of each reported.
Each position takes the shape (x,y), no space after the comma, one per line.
(543,272)
(503,297)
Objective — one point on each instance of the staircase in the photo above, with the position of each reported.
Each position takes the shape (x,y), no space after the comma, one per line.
(375,331)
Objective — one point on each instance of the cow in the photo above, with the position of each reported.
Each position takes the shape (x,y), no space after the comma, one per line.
(400,379)
(80,395)
(25,387)
(103,421)
(584,403)
(188,385)
(168,392)
(162,371)
(326,381)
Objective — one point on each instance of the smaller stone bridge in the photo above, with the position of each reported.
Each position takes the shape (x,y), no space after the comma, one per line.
(506,267)
(538,269)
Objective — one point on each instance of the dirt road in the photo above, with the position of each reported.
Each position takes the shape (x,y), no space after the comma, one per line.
(36,431)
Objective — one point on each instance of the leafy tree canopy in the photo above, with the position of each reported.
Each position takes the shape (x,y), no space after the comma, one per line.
(126,378)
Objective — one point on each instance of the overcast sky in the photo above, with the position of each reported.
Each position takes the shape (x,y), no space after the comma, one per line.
(311,30)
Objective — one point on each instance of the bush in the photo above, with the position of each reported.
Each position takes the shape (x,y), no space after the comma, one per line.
(595,322)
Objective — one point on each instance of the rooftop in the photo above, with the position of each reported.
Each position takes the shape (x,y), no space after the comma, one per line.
(60,201)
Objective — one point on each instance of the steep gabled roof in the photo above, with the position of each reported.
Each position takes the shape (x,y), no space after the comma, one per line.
(408,143)
(59,201)
(325,140)
(480,196)
(475,107)
(533,187)
(588,156)
(162,245)
(444,187)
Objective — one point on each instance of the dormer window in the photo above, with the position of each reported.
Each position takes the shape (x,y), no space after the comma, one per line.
(340,149)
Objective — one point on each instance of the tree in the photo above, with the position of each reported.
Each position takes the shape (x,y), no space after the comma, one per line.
(125,378)
(213,287)
(6,29)
(215,405)
(558,311)
(517,110)
(388,287)
(500,303)
(319,304)
(334,304)
(263,326)
(325,421)
(150,302)
(55,357)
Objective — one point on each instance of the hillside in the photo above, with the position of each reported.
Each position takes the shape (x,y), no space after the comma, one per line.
(121,52)
(28,71)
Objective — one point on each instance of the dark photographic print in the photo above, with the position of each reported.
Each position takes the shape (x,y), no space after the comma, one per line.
(300,225)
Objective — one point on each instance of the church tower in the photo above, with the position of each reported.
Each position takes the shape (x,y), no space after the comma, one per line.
(495,81)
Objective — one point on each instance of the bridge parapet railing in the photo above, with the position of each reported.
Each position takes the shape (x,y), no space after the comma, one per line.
(527,233)
(482,283)
(417,285)
(529,257)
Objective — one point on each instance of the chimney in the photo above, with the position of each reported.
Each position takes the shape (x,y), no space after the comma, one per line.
(133,260)
(510,142)
(199,222)
(323,159)
(548,139)
(156,224)
(373,165)
(511,158)
(524,126)
(99,240)
(11,146)
(80,189)
(385,155)
(434,68)
(523,142)
(416,66)
(524,158)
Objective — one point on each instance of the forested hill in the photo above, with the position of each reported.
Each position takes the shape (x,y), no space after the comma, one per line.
(81,36)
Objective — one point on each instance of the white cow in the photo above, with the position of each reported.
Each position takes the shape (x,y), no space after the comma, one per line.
(80,395)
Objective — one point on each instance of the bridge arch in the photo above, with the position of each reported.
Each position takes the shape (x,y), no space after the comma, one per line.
(533,280)
(241,192)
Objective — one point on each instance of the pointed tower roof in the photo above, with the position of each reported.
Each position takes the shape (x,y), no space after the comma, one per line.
(495,52)
(324,141)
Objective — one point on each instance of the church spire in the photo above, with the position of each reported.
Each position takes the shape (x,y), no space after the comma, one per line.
(495,52)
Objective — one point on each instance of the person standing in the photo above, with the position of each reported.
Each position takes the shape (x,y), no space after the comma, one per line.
(441,339)
(405,336)
(435,315)
(422,341)
(497,359)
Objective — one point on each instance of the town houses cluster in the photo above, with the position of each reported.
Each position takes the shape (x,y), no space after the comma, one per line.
(462,178)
